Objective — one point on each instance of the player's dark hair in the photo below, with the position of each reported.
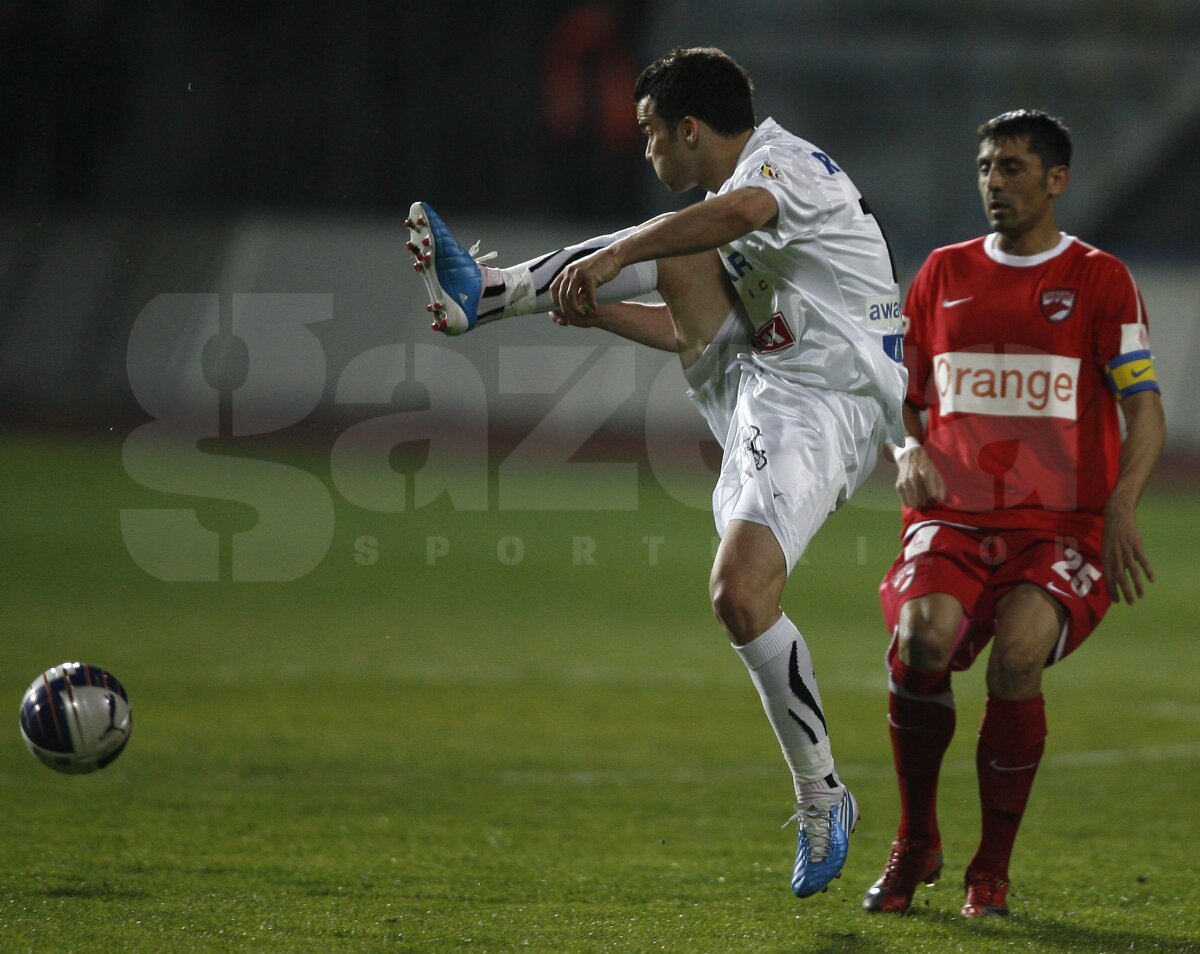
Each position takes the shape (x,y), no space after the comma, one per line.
(702,82)
(1048,136)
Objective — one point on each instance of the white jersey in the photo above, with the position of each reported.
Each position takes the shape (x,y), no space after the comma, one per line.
(818,286)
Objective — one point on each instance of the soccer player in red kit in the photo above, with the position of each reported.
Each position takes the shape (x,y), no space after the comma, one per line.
(1019,494)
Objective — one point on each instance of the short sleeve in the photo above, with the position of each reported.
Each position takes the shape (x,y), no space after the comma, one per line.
(782,172)
(1122,340)
(916,348)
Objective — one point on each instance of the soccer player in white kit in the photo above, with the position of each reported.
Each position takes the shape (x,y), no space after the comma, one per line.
(781,299)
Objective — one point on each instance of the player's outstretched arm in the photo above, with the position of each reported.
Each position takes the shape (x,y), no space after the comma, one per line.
(1125,560)
(648,324)
(698,228)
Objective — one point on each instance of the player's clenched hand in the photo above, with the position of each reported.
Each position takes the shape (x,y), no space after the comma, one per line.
(593,319)
(574,290)
(918,481)
(1125,561)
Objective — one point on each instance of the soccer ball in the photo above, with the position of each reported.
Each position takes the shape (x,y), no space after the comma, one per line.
(76,718)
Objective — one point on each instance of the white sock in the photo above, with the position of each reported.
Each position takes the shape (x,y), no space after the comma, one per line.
(781,669)
(525,289)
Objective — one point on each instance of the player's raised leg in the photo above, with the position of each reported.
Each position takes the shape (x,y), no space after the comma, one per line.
(451,273)
(464,293)
(700,297)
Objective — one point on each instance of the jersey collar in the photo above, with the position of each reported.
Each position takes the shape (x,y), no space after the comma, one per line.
(1025,261)
(763,133)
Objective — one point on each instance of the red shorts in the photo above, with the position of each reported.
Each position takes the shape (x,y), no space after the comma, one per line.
(977,567)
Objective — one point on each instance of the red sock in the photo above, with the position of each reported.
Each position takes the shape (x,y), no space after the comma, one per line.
(921,731)
(1011,741)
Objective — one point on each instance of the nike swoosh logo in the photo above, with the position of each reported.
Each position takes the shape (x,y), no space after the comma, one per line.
(1013,768)
(1054,588)
(1138,374)
(954,303)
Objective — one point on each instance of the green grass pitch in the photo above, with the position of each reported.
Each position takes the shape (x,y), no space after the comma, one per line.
(555,755)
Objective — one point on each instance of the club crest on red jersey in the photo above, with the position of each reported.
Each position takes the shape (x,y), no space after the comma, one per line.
(774,335)
(1058,303)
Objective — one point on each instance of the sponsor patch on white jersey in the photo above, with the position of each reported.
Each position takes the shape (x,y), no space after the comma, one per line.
(1012,385)
(773,335)
(884,314)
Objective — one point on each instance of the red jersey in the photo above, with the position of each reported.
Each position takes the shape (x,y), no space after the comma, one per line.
(1019,361)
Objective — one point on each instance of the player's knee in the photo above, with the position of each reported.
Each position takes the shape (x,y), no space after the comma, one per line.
(1014,671)
(925,644)
(728,599)
(738,606)
(682,273)
(671,269)
(927,634)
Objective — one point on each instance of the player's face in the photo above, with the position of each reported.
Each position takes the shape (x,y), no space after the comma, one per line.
(1018,194)
(666,149)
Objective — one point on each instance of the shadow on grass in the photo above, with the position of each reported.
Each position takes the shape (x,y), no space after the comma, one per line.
(843,942)
(101,890)
(1062,935)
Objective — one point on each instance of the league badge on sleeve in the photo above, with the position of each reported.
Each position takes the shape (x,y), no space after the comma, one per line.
(768,171)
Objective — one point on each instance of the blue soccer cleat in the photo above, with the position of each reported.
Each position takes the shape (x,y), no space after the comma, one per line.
(822,843)
(451,273)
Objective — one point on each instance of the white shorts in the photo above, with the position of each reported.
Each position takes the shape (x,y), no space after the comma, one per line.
(793,455)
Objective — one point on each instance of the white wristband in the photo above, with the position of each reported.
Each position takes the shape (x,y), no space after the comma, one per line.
(910,444)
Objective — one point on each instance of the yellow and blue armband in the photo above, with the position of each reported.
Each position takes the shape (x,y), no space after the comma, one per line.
(1132,372)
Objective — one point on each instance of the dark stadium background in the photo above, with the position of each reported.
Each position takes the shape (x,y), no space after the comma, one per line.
(173,146)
